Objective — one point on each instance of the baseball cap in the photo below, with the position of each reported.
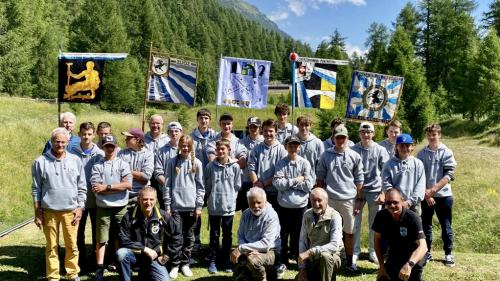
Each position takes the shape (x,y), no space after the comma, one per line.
(174,125)
(253,121)
(226,116)
(291,139)
(134,132)
(341,130)
(366,126)
(404,138)
(108,139)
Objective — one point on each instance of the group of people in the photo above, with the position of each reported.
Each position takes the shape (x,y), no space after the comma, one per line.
(301,198)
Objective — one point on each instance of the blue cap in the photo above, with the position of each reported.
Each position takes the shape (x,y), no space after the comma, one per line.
(404,138)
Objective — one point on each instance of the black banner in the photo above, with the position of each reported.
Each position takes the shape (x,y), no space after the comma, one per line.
(80,80)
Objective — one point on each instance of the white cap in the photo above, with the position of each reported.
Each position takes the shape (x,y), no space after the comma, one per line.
(366,126)
(174,125)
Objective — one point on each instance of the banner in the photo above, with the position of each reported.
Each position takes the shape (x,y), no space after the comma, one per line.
(316,81)
(373,97)
(243,82)
(172,80)
(81,74)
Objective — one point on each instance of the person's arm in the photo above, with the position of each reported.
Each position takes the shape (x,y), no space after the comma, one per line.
(144,175)
(304,252)
(36,192)
(252,166)
(237,178)
(387,182)
(418,191)
(449,166)
(271,232)
(210,150)
(125,235)
(321,170)
(171,175)
(241,155)
(280,180)
(200,188)
(159,169)
(415,257)
(308,176)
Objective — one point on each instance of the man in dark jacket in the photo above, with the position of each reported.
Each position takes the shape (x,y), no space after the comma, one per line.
(149,238)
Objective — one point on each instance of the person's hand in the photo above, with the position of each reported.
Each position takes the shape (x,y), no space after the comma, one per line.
(405,272)
(253,253)
(430,201)
(77,215)
(302,276)
(98,188)
(357,206)
(380,199)
(430,192)
(197,214)
(304,256)
(136,175)
(300,179)
(235,254)
(381,273)
(259,184)
(39,217)
(150,253)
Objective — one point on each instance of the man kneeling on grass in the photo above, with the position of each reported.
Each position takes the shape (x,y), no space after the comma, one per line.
(320,240)
(149,237)
(258,238)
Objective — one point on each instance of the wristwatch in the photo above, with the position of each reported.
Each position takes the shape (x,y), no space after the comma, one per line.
(108,187)
(411,264)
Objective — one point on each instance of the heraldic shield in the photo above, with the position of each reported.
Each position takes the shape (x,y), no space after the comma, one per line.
(80,80)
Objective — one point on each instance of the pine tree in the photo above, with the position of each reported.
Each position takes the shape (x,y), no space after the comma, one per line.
(491,18)
(377,41)
(408,19)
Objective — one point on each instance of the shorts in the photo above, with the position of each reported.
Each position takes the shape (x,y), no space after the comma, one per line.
(346,211)
(108,223)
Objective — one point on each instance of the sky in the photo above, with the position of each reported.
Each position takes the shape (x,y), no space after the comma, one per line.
(313,21)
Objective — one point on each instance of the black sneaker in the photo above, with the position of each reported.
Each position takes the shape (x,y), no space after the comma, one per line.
(353,269)
(427,258)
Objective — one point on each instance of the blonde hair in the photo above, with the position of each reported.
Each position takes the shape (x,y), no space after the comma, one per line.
(189,140)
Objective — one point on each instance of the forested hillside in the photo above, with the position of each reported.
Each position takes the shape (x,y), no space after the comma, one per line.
(32,32)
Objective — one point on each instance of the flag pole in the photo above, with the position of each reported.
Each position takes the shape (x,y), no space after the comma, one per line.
(216,97)
(293,57)
(147,86)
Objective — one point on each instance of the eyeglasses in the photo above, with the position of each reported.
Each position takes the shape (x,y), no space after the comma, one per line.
(389,203)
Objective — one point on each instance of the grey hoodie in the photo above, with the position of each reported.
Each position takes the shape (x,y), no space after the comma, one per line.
(341,172)
(289,130)
(202,144)
(154,145)
(238,150)
(438,164)
(88,161)
(408,175)
(263,160)
(374,158)
(292,194)
(222,182)
(59,185)
(389,147)
(311,149)
(259,233)
(184,190)
(165,153)
(111,172)
(249,145)
(142,161)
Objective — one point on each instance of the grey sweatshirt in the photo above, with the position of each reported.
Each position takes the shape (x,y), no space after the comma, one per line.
(389,147)
(289,130)
(341,172)
(88,161)
(328,143)
(259,233)
(59,185)
(111,172)
(154,145)
(165,153)
(407,175)
(184,191)
(438,164)
(291,193)
(238,150)
(222,183)
(374,158)
(249,145)
(263,160)
(142,161)
(311,149)
(202,143)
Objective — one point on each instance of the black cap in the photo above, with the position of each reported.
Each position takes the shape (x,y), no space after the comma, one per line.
(109,139)
(291,139)
(253,121)
(226,116)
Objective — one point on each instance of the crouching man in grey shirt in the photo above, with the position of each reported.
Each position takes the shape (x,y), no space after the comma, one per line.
(258,238)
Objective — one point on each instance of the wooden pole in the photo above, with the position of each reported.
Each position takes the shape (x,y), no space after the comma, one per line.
(147,86)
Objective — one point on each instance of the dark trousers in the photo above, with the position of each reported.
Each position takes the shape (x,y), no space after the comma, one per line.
(188,222)
(291,222)
(393,268)
(272,198)
(80,240)
(241,200)
(156,185)
(443,209)
(218,254)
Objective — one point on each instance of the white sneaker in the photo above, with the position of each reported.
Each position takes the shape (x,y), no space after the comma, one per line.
(373,258)
(354,259)
(186,270)
(174,272)
(449,261)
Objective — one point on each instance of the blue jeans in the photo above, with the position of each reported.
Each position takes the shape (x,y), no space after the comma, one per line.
(148,270)
(443,211)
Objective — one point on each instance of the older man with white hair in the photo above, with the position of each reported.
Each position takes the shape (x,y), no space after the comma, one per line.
(258,238)
(59,192)
(68,121)
(155,138)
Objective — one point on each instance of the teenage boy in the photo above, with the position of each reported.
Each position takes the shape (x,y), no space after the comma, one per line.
(293,179)
(222,182)
(311,147)
(285,129)
(203,135)
(392,130)
(238,151)
(250,141)
(374,157)
(330,142)
(340,172)
(103,129)
(439,165)
(88,152)
(111,181)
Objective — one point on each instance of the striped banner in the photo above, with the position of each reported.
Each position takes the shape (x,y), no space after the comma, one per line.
(172,80)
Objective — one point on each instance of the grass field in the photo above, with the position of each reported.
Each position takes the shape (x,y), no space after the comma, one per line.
(26,127)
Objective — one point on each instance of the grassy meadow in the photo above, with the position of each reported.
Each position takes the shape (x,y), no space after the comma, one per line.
(27,125)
